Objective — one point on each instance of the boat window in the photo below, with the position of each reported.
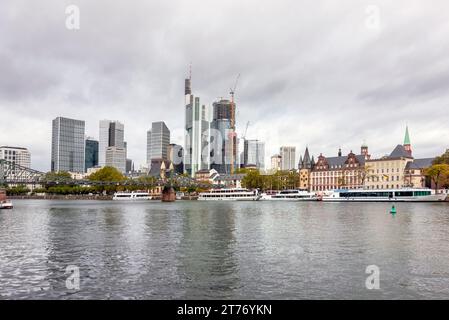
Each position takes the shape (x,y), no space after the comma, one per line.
(422,193)
(404,194)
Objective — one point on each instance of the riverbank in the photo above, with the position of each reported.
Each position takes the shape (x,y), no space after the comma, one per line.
(61,197)
(81,197)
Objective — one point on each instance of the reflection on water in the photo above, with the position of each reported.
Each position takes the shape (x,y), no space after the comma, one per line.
(201,250)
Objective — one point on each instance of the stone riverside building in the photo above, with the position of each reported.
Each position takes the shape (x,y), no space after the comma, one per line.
(397,170)
(347,172)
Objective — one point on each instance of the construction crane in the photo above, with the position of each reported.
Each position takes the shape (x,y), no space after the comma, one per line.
(233,135)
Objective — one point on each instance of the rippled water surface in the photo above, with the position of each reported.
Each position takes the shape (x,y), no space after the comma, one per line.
(229,250)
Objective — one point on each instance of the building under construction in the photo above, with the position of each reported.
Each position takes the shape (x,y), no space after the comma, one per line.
(224,151)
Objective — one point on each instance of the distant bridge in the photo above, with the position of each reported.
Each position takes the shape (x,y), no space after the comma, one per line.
(14,174)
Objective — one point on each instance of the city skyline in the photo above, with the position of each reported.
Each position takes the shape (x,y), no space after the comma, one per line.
(357,83)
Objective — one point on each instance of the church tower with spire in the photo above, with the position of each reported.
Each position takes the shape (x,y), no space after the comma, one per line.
(407,144)
(305,167)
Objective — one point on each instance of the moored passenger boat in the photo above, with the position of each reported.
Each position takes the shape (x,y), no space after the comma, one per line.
(290,195)
(234,194)
(124,196)
(385,195)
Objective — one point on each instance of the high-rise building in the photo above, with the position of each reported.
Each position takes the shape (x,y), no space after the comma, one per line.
(197,127)
(111,146)
(91,154)
(254,154)
(224,144)
(288,155)
(18,156)
(148,148)
(68,146)
(160,139)
(116,157)
(111,135)
(276,162)
(129,166)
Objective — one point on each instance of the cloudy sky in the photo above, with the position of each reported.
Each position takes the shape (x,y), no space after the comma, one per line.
(319,73)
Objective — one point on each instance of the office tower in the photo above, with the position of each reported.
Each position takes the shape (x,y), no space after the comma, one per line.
(91,154)
(129,166)
(254,154)
(197,127)
(67,148)
(116,157)
(242,159)
(288,155)
(224,144)
(111,135)
(148,148)
(175,156)
(160,139)
(276,162)
(17,156)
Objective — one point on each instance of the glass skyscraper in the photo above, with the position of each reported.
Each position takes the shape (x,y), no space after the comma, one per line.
(254,154)
(111,135)
(68,146)
(197,127)
(160,139)
(149,148)
(91,157)
(288,155)
(111,146)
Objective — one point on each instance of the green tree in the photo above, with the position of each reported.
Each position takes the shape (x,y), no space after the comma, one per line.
(61,175)
(443,159)
(52,178)
(254,180)
(292,180)
(107,174)
(17,190)
(438,173)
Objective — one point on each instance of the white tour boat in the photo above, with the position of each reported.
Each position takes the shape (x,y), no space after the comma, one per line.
(384,195)
(124,196)
(234,194)
(290,195)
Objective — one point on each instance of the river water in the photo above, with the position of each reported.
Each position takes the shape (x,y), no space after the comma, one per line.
(223,250)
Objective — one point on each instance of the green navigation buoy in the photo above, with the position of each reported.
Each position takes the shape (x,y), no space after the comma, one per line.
(393,210)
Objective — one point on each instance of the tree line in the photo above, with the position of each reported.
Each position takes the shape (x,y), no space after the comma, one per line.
(61,183)
(281,180)
(439,171)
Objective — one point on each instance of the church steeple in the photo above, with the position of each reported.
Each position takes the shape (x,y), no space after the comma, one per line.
(407,143)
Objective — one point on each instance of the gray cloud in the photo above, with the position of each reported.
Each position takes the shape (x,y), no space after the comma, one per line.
(312,72)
